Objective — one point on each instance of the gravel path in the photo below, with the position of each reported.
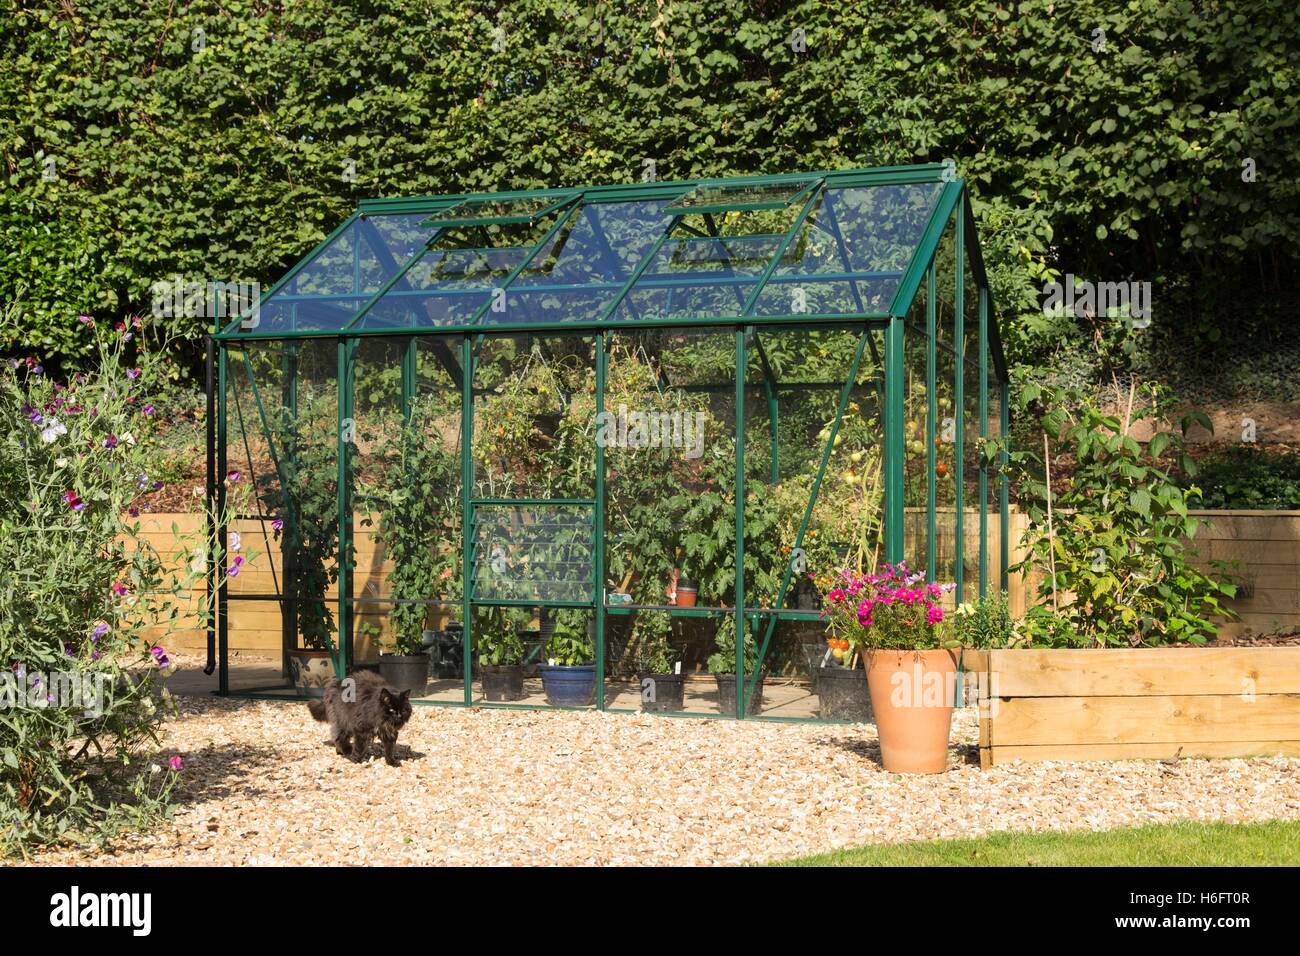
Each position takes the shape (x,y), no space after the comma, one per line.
(263,786)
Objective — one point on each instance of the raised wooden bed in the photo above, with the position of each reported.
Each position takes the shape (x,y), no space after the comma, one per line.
(1113,704)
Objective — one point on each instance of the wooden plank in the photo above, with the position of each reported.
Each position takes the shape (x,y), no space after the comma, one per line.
(1143,671)
(997,756)
(1150,720)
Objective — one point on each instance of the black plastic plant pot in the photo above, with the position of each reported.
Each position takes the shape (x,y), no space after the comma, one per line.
(502,682)
(727,695)
(843,693)
(663,692)
(405,671)
(569,685)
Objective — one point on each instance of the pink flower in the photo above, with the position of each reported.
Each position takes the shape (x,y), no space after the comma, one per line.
(934,615)
(133,373)
(175,762)
(232,476)
(73,501)
(836,595)
(120,589)
(235,565)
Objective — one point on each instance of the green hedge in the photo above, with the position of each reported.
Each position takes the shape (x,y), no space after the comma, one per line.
(221,154)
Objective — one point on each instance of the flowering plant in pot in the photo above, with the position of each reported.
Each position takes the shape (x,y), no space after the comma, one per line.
(722,664)
(569,676)
(657,663)
(894,620)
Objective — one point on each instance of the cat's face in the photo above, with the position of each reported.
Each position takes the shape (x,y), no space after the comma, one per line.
(397,707)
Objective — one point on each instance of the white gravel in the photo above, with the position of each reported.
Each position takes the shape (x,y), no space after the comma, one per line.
(263,786)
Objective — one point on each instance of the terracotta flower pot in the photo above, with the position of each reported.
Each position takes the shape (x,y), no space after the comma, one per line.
(912,695)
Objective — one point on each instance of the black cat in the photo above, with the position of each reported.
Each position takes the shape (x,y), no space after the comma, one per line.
(358,708)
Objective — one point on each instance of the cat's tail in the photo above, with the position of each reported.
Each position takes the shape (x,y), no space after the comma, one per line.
(317,708)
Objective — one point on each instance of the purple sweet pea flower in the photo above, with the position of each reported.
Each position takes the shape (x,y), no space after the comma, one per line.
(133,373)
(159,655)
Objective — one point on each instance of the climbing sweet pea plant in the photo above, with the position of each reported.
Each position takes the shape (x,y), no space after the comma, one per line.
(86,600)
(893,608)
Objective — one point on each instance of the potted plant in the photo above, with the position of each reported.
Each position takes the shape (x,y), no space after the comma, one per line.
(658,664)
(417,501)
(722,664)
(406,667)
(569,676)
(842,685)
(500,654)
(682,591)
(894,620)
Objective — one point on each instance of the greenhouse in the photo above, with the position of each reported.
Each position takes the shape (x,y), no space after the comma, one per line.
(504,436)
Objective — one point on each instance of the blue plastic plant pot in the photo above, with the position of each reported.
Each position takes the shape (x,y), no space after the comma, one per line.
(567,686)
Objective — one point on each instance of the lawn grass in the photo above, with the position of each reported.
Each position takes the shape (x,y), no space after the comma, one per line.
(1275,843)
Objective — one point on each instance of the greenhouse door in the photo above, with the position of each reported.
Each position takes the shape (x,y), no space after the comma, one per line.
(534,530)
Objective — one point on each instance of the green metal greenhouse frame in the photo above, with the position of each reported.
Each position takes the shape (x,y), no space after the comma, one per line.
(859,295)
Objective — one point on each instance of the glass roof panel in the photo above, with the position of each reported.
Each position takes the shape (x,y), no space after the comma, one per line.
(741,197)
(326,293)
(492,210)
(456,277)
(578,273)
(850,254)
